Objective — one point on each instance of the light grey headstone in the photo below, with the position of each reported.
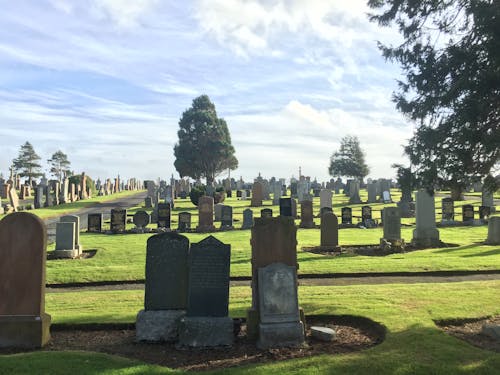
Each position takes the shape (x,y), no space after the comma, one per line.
(425,233)
(325,198)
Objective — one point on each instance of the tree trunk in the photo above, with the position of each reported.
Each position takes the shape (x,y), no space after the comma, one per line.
(456,193)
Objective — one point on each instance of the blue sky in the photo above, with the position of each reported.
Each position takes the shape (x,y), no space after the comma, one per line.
(106,82)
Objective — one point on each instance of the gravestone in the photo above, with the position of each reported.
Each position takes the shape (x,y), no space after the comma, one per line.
(294,208)
(206,323)
(65,241)
(38,201)
(372,193)
(273,240)
(118,220)
(74,219)
(205,214)
(141,220)
(329,230)
(366,213)
(391,218)
(247,219)
(244,195)
(354,197)
(184,221)
(266,212)
(325,198)
(293,189)
(487,200)
(94,223)
(280,323)
(226,217)
(257,194)
(447,210)
(218,212)
(276,193)
(425,233)
(286,207)
(23,321)
(238,193)
(306,214)
(324,210)
(148,202)
(346,215)
(165,297)
(493,231)
(467,213)
(163,215)
(14,199)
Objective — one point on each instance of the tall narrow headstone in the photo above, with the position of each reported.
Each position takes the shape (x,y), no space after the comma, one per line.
(257,194)
(286,207)
(23,321)
(354,197)
(425,233)
(306,214)
(247,219)
(372,193)
(205,214)
(329,230)
(184,221)
(493,231)
(346,215)
(164,213)
(325,198)
(226,217)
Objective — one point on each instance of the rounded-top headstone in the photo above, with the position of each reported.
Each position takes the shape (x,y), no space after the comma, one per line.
(494,231)
(141,219)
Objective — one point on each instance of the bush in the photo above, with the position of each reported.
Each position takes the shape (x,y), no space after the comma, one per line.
(196,193)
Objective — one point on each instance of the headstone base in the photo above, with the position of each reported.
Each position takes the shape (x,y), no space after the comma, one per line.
(253,318)
(71,253)
(307,225)
(428,238)
(204,332)
(396,245)
(158,325)
(24,331)
(205,228)
(274,335)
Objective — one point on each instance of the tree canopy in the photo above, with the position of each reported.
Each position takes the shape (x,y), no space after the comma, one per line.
(450,57)
(204,148)
(26,163)
(349,161)
(59,165)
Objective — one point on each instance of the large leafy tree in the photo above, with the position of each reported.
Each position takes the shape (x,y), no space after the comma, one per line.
(59,165)
(27,162)
(349,161)
(204,148)
(450,57)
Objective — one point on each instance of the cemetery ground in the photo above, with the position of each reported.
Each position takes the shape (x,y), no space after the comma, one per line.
(412,314)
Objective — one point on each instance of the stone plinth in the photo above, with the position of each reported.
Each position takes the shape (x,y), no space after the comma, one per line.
(158,325)
(201,332)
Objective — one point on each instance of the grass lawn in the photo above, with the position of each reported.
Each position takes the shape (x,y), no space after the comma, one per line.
(413,344)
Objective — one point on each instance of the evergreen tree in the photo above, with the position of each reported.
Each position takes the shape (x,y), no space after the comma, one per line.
(59,165)
(349,161)
(26,164)
(204,148)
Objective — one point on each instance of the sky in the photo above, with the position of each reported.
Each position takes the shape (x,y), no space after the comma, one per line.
(106,82)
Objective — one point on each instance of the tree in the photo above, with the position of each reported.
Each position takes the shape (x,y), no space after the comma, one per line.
(26,164)
(59,165)
(204,149)
(349,161)
(451,64)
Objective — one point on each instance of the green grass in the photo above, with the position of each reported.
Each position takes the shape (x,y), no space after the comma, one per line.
(414,345)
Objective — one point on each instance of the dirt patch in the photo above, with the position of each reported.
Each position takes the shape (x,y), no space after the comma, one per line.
(470,330)
(353,334)
(86,254)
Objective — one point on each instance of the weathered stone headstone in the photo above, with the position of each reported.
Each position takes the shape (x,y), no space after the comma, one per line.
(346,215)
(324,210)
(163,215)
(165,298)
(372,193)
(257,194)
(118,220)
(325,198)
(329,230)
(493,231)
(184,221)
(247,219)
(238,193)
(467,213)
(14,199)
(218,212)
(23,321)
(286,207)
(65,241)
(366,213)
(487,200)
(391,218)
(306,214)
(294,207)
(205,214)
(94,223)
(447,210)
(276,193)
(148,202)
(38,201)
(266,212)
(280,323)
(207,323)
(226,217)
(425,233)
(354,197)
(141,219)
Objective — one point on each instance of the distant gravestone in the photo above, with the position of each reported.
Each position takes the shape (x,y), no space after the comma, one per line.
(266,212)
(366,213)
(294,208)
(257,194)
(329,230)
(205,214)
(141,220)
(467,213)
(354,197)
(325,198)
(38,201)
(306,214)
(346,215)
(218,212)
(184,221)
(163,215)
(118,220)
(226,217)
(74,219)
(165,298)
(280,323)
(447,210)
(493,231)
(276,193)
(238,193)
(148,202)
(94,223)
(23,321)
(425,233)
(286,207)
(293,189)
(392,225)
(65,241)
(487,200)
(372,193)
(207,323)
(14,199)
(247,219)
(324,210)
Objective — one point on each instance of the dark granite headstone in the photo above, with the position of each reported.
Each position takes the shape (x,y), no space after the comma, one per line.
(184,221)
(226,217)
(118,220)
(247,219)
(266,212)
(208,291)
(346,215)
(148,202)
(324,210)
(238,194)
(166,272)
(467,212)
(285,206)
(293,189)
(163,215)
(229,194)
(94,223)
(366,213)
(183,195)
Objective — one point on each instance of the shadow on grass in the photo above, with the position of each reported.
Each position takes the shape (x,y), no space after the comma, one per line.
(483,253)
